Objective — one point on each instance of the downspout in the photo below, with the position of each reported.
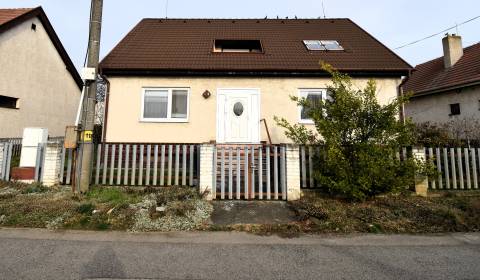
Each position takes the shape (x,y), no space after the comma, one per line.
(105,110)
(401,93)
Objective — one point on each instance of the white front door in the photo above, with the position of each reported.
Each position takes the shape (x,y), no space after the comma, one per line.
(238,116)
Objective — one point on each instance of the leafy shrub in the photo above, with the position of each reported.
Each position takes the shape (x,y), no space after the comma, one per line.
(360,140)
(85,208)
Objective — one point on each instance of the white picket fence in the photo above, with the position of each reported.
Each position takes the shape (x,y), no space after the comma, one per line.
(146,164)
(459,168)
(6,152)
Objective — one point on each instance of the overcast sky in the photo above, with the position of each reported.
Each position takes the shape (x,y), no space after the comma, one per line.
(394,23)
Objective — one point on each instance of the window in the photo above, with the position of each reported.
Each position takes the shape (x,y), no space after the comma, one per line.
(8,102)
(238,46)
(313,96)
(322,45)
(455,109)
(165,105)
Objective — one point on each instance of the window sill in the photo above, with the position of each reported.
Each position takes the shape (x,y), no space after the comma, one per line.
(306,122)
(164,120)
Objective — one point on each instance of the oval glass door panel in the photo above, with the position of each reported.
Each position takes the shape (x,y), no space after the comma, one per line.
(238,109)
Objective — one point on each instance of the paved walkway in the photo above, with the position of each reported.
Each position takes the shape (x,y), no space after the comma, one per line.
(41,254)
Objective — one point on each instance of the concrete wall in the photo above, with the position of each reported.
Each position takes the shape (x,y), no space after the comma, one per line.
(32,70)
(436,107)
(124,111)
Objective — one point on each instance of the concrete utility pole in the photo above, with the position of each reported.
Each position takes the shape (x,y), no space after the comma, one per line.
(88,118)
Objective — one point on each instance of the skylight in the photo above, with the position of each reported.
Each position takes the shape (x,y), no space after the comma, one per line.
(238,46)
(323,45)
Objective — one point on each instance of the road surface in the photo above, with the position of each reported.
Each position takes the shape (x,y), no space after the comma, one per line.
(42,254)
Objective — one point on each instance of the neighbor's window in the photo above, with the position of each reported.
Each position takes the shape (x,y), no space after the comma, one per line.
(8,102)
(238,46)
(323,45)
(313,96)
(455,109)
(165,105)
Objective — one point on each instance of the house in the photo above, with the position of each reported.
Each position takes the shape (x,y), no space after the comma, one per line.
(446,89)
(39,85)
(224,80)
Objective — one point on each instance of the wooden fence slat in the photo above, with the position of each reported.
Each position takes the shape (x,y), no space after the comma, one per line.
(460,168)
(184,165)
(445,163)
(260,173)
(177,164)
(162,167)
(439,168)
(275,172)
(214,167)
(222,174)
(170,153)
(246,196)
(112,165)
(127,164)
(283,181)
(467,168)
(9,155)
(454,171)
(267,157)
(239,168)
(430,157)
(149,159)
(191,157)
(310,166)
(119,168)
(62,165)
(140,166)
(230,173)
(474,168)
(69,165)
(252,175)
(97,165)
(134,165)
(303,167)
(155,164)
(105,165)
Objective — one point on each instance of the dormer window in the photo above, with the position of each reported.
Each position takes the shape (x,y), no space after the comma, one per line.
(237,46)
(323,45)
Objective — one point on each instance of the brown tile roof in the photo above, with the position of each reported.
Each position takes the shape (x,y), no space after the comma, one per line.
(432,76)
(159,45)
(12,17)
(7,15)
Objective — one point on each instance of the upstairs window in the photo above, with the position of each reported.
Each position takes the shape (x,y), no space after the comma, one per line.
(455,109)
(8,102)
(237,46)
(322,45)
(165,105)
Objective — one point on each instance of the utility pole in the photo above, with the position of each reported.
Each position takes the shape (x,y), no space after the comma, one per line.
(88,104)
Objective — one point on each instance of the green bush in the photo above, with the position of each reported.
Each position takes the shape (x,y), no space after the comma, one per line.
(360,140)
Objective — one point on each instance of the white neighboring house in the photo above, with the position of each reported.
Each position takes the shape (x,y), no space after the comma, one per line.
(39,85)
(447,89)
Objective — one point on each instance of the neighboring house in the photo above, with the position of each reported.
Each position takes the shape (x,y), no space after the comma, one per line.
(446,89)
(215,80)
(39,85)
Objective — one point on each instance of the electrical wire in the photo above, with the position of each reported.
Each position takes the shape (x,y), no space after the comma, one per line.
(438,33)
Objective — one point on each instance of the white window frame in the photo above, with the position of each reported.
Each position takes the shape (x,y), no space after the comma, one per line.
(303,93)
(169,118)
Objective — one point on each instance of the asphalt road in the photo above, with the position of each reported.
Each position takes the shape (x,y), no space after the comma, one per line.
(40,254)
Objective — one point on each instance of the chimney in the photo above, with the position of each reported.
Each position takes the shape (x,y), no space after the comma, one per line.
(452,50)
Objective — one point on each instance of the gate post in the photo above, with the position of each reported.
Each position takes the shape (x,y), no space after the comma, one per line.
(293,172)
(51,165)
(207,152)
(421,181)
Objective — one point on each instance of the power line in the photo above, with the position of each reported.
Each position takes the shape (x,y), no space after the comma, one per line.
(438,33)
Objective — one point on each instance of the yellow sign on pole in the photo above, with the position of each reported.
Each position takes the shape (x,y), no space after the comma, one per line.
(87,136)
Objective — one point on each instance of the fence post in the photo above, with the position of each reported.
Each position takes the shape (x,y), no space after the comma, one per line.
(421,181)
(51,164)
(206,170)
(293,172)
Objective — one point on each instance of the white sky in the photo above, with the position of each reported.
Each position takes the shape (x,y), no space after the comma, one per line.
(394,23)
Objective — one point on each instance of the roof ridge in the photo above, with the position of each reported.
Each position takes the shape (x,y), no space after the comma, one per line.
(267,19)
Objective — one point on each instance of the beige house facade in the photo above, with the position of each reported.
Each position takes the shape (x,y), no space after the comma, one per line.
(205,121)
(225,81)
(39,86)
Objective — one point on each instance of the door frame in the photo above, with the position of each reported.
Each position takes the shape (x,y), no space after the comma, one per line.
(220,135)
